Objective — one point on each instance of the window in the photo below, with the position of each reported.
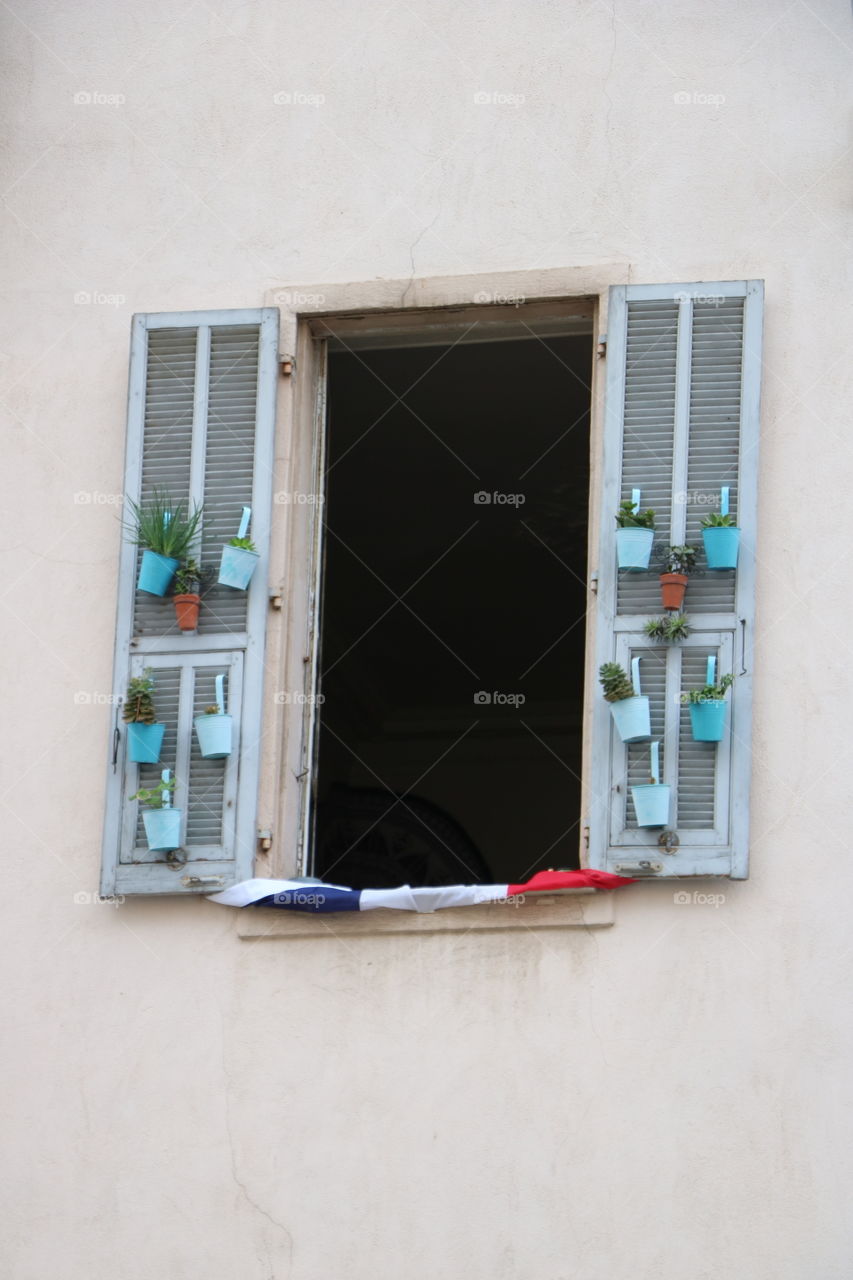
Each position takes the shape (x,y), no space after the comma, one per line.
(680,423)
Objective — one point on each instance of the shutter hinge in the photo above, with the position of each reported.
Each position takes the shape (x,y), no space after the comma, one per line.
(586,838)
(601,348)
(265,839)
(593,582)
(275,600)
(285,364)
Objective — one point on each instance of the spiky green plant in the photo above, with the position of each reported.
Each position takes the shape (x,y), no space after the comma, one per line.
(670,628)
(615,682)
(716,521)
(244,544)
(709,692)
(164,525)
(628,518)
(139,703)
(154,796)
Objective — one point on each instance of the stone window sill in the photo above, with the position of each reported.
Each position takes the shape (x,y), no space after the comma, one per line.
(567,909)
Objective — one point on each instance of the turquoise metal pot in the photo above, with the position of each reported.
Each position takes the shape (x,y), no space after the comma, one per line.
(144,742)
(651,803)
(708,719)
(156,573)
(634,548)
(721,547)
(162,829)
(214,736)
(236,567)
(632,718)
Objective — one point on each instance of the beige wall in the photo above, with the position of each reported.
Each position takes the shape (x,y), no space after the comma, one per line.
(664,1098)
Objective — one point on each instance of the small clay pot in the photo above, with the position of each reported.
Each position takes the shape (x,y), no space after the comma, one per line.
(186,611)
(672,589)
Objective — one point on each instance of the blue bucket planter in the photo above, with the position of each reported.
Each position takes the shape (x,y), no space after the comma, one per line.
(162,829)
(144,742)
(214,736)
(236,567)
(651,803)
(634,548)
(721,547)
(632,718)
(708,720)
(156,573)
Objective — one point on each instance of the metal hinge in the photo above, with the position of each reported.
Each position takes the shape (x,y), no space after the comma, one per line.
(601,348)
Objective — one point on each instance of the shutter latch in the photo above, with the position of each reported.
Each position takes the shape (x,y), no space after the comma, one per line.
(206,882)
(285,364)
(601,348)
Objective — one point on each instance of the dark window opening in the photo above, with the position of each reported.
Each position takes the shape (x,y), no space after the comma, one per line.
(453,613)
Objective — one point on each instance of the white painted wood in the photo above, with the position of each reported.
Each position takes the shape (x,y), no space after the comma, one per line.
(722,847)
(240,651)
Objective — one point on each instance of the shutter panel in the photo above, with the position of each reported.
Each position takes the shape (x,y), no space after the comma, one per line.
(200,425)
(681,422)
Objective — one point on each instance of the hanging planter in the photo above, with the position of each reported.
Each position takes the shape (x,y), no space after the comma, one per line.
(162,823)
(708,706)
(635,534)
(239,557)
(678,563)
(165,530)
(144,733)
(652,799)
(156,573)
(187,595)
(214,728)
(628,707)
(721,537)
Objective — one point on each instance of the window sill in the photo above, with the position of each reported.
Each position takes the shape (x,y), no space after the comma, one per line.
(568,909)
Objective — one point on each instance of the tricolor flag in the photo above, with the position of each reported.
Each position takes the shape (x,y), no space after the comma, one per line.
(317,896)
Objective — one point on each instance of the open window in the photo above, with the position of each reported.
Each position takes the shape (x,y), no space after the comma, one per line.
(454,602)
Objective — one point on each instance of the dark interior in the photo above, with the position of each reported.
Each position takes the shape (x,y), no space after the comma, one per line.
(432,598)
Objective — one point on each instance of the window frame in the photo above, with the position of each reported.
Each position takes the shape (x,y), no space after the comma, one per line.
(402,308)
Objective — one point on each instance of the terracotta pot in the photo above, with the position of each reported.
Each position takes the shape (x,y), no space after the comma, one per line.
(186,611)
(672,589)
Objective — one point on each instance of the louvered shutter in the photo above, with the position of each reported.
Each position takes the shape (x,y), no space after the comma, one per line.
(200,425)
(681,423)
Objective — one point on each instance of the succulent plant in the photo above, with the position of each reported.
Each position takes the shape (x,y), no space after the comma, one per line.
(615,682)
(139,703)
(244,544)
(709,692)
(155,796)
(672,627)
(628,518)
(716,521)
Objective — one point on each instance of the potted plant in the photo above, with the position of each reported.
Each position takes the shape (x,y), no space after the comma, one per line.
(239,557)
(678,563)
(144,733)
(165,530)
(162,822)
(186,594)
(721,537)
(214,728)
(652,798)
(708,709)
(635,533)
(671,628)
(629,708)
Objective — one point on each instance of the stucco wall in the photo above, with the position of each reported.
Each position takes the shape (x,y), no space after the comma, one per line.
(664,1098)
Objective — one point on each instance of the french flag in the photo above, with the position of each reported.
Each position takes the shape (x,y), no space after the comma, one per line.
(317,896)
